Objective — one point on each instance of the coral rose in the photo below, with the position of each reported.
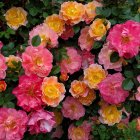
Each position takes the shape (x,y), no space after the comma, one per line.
(49,38)
(85,41)
(72,109)
(72,12)
(124,38)
(3,67)
(99,28)
(12,124)
(111,89)
(55,23)
(104,59)
(37,60)
(28,92)
(15,17)
(80,132)
(109,114)
(41,121)
(87,59)
(71,64)
(93,75)
(52,91)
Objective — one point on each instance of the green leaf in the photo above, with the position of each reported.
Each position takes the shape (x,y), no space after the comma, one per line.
(33,11)
(1,4)
(106,12)
(97,45)
(55,70)
(129,74)
(137,17)
(36,40)
(99,11)
(46,2)
(8,97)
(76,29)
(79,122)
(114,57)
(1,100)
(60,54)
(45,14)
(128,84)
(9,105)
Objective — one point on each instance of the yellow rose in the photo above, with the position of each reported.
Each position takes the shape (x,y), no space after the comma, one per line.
(15,17)
(55,23)
(109,114)
(99,28)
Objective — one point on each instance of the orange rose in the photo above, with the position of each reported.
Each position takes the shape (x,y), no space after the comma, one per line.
(88,99)
(78,88)
(94,75)
(72,12)
(52,91)
(3,86)
(15,17)
(99,28)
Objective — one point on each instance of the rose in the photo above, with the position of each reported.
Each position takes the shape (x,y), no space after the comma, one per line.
(15,17)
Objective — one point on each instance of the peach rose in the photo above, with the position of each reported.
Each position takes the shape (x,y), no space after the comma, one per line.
(72,12)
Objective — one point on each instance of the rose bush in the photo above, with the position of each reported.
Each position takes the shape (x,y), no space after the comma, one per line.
(70,70)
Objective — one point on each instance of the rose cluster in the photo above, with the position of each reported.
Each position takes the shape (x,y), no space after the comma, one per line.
(44,98)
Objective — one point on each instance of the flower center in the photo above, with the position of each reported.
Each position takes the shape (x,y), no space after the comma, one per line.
(52,91)
(125,39)
(79,133)
(9,124)
(31,91)
(38,61)
(79,88)
(73,107)
(68,61)
(100,29)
